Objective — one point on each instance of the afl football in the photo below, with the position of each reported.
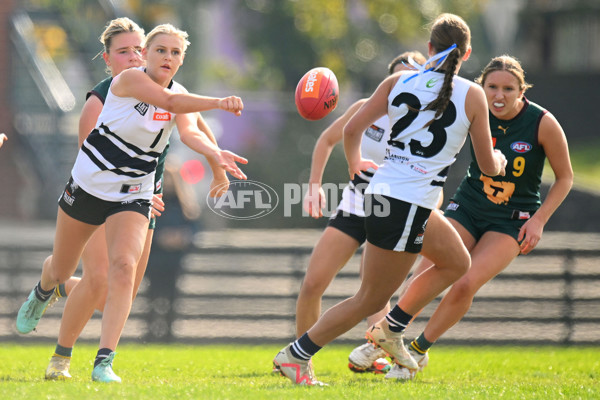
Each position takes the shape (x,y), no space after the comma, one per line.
(317,93)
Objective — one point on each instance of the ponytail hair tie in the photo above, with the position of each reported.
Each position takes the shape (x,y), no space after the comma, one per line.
(439,60)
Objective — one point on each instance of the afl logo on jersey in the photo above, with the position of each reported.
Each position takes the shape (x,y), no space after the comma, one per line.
(520,147)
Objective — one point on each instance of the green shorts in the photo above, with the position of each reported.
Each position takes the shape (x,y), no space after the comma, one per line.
(478,223)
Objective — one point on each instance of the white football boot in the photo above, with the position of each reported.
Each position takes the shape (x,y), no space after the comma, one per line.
(368,358)
(392,343)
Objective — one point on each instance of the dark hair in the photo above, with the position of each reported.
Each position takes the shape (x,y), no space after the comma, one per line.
(403,58)
(448,29)
(505,63)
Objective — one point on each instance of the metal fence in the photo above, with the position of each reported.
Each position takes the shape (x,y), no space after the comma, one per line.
(246,293)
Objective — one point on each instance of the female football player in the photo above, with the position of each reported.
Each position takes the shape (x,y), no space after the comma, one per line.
(345,231)
(431,112)
(122,40)
(500,218)
(112,181)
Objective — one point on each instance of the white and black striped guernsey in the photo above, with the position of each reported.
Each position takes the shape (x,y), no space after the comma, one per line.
(372,146)
(418,158)
(118,159)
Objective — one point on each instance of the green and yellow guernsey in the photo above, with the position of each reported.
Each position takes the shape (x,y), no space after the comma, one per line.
(519,189)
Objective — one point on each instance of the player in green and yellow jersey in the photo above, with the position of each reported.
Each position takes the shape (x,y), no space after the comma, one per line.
(500,217)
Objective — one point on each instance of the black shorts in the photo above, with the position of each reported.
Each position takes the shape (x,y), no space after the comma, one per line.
(351,224)
(394,224)
(82,206)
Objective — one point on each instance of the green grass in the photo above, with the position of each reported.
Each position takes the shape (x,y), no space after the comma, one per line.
(586,165)
(243,372)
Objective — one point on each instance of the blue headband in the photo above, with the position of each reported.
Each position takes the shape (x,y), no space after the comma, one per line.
(439,60)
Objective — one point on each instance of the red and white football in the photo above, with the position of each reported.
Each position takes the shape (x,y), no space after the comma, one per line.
(317,93)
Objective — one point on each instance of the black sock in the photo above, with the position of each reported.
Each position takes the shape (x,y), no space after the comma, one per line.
(397,319)
(304,348)
(101,355)
(41,294)
(63,351)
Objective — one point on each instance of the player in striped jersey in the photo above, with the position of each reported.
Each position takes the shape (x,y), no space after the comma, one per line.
(345,231)
(113,181)
(499,218)
(122,41)
(431,112)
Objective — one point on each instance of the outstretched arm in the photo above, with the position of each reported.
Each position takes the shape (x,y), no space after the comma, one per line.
(371,110)
(197,141)
(220,182)
(137,84)
(314,201)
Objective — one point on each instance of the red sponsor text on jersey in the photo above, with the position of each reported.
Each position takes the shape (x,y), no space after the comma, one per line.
(134,188)
(166,116)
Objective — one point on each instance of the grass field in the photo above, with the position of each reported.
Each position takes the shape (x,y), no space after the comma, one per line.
(586,164)
(244,372)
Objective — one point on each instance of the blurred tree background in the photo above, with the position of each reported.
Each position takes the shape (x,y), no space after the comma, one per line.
(259,49)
